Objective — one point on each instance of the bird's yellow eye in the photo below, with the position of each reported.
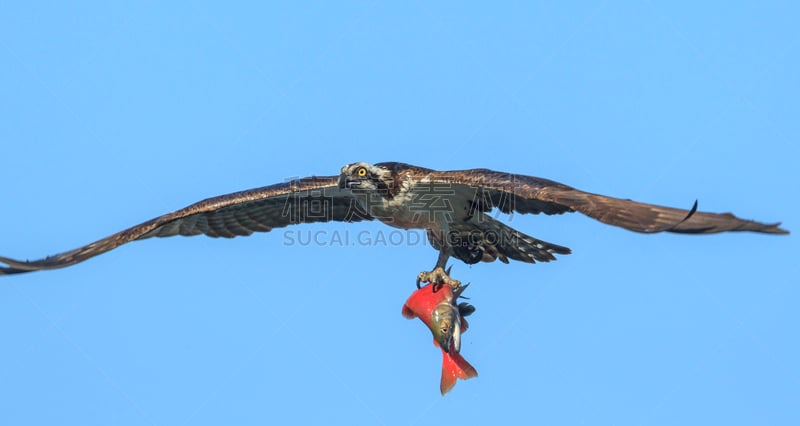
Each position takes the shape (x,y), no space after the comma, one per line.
(361,172)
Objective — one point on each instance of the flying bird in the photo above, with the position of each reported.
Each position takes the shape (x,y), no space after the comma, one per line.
(452,206)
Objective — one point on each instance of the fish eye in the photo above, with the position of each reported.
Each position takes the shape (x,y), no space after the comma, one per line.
(361,172)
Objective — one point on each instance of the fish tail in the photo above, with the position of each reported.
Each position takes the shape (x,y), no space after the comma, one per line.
(454,366)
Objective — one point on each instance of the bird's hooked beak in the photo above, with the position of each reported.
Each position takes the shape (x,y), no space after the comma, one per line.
(342,181)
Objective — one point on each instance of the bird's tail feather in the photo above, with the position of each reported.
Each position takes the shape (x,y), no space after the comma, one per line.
(489,239)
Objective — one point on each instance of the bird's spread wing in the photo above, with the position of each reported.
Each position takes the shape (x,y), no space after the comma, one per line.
(528,194)
(313,199)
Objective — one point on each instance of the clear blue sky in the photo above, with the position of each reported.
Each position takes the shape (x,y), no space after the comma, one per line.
(112,115)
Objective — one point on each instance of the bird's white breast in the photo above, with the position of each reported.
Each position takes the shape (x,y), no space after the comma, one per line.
(423,204)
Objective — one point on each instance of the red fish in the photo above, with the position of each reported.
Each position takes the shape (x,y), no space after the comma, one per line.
(436,306)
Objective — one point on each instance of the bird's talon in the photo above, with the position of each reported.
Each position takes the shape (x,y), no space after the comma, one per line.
(438,277)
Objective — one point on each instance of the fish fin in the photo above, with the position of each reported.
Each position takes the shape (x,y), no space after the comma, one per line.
(465,309)
(408,313)
(454,366)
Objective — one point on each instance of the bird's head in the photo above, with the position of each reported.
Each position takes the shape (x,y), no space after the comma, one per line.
(365,177)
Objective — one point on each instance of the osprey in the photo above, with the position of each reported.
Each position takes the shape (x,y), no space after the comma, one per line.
(451,206)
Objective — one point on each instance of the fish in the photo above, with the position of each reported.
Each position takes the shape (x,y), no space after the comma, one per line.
(435,305)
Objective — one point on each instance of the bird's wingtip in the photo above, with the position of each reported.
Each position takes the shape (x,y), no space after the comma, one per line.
(775,228)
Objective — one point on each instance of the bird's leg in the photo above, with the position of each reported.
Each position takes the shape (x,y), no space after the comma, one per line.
(439,276)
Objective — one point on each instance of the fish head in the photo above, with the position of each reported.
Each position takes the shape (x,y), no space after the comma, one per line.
(446,326)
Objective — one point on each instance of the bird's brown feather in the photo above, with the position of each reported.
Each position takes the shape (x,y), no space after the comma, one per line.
(313,199)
